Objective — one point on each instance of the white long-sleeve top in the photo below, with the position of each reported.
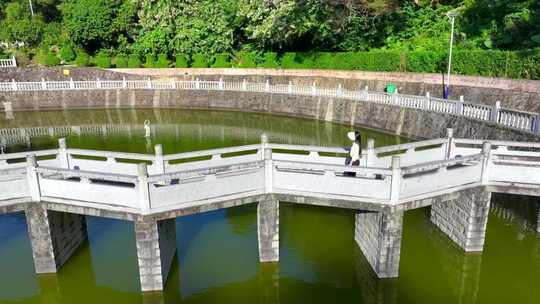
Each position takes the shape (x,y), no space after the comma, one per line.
(355,152)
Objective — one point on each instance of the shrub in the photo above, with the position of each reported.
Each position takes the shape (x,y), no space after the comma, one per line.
(199,61)
(181,61)
(51,59)
(103,60)
(270,61)
(246,60)
(121,61)
(82,59)
(67,54)
(134,61)
(149,61)
(162,61)
(222,61)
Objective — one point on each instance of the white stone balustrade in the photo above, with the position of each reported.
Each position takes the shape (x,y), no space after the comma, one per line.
(145,184)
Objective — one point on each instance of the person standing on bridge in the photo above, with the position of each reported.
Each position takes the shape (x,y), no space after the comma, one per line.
(355,151)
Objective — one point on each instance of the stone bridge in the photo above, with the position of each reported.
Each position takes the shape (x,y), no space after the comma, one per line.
(57,187)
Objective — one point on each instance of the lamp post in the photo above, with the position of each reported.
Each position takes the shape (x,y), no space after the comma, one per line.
(452,16)
(31,8)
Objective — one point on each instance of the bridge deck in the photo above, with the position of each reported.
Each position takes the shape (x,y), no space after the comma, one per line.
(392,177)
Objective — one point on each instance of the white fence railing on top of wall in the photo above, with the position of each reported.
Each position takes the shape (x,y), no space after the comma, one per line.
(8,63)
(524,121)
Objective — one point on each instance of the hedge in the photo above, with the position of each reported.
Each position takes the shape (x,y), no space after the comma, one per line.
(162,61)
(246,60)
(181,61)
(134,61)
(199,61)
(509,64)
(67,54)
(121,61)
(103,60)
(82,59)
(222,61)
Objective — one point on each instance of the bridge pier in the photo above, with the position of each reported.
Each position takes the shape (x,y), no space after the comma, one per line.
(156,248)
(464,219)
(268,229)
(54,236)
(378,234)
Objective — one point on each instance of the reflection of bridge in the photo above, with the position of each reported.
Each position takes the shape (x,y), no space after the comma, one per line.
(454,176)
(13,136)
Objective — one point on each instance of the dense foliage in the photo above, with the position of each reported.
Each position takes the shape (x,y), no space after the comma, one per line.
(398,34)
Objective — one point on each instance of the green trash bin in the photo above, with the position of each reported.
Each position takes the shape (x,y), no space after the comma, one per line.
(390,88)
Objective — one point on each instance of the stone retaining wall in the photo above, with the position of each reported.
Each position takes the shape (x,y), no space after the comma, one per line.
(397,120)
(513,93)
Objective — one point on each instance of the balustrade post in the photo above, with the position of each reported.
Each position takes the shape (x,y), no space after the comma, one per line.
(63,156)
(124,83)
(268,166)
(339,91)
(142,187)
(244,84)
(366,93)
(13,61)
(537,124)
(289,87)
(173,84)
(98,83)
(459,105)
(396,180)
(13,85)
(427,101)
(221,84)
(314,89)
(149,84)
(495,112)
(43,84)
(159,162)
(486,162)
(450,144)
(267,87)
(395,98)
(71,84)
(197,85)
(32,177)
(369,153)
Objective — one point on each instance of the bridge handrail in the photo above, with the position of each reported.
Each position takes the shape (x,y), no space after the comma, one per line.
(339,150)
(433,165)
(306,165)
(209,152)
(411,145)
(16,155)
(498,143)
(111,154)
(520,120)
(200,173)
(67,173)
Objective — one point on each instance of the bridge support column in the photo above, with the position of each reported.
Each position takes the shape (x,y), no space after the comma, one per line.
(464,219)
(268,230)
(54,236)
(378,234)
(156,248)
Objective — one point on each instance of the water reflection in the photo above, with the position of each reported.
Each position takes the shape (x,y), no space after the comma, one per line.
(217,260)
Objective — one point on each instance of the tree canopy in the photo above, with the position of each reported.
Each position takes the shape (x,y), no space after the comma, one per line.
(227,26)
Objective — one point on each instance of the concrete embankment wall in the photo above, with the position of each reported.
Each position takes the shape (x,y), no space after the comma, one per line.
(514,94)
(401,121)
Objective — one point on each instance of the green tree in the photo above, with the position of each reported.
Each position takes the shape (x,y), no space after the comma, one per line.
(95,24)
(67,53)
(17,25)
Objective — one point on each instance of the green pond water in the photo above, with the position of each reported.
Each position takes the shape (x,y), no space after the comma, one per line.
(217,257)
